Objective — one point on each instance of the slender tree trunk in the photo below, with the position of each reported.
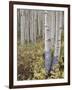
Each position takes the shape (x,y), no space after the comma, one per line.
(39,23)
(22,26)
(35,25)
(31,25)
(59,25)
(55,59)
(53,28)
(27,25)
(43,27)
(47,42)
(61,20)
(18,25)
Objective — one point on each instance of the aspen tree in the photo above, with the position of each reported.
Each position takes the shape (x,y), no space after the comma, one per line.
(31,25)
(47,42)
(22,26)
(53,28)
(59,27)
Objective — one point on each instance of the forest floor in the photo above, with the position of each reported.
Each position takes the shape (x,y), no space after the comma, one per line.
(30,63)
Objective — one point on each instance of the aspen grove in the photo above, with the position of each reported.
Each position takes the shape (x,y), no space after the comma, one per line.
(40,44)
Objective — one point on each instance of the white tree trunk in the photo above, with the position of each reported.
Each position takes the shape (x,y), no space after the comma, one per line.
(18,25)
(55,59)
(31,26)
(39,23)
(61,20)
(43,27)
(59,25)
(22,26)
(53,28)
(27,25)
(47,42)
(35,26)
